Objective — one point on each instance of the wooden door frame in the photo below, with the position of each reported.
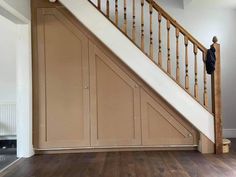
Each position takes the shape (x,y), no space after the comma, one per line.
(23,79)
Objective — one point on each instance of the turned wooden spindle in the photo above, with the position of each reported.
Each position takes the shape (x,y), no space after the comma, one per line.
(99,4)
(177,56)
(168,47)
(186,63)
(159,40)
(142,25)
(125,18)
(134,27)
(205,94)
(151,37)
(108,8)
(116,12)
(195,50)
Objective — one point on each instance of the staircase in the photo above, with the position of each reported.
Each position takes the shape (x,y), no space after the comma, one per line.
(162,53)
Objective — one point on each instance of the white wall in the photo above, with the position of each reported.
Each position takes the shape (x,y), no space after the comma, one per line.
(8,36)
(24,92)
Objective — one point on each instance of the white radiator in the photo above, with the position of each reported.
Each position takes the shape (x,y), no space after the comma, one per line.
(7,119)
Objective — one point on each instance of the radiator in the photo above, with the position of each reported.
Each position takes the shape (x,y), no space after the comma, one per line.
(7,119)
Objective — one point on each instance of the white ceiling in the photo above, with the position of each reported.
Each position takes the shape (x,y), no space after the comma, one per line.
(229,4)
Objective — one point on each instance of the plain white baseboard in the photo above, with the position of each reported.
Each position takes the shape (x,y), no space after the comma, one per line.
(229,133)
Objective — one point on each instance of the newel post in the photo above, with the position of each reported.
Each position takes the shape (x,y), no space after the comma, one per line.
(216,99)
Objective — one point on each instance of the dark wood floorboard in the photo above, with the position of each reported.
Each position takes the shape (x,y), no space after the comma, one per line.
(127,164)
(7,156)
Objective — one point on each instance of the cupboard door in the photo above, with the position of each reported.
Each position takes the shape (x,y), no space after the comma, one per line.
(63,82)
(115,103)
(161,126)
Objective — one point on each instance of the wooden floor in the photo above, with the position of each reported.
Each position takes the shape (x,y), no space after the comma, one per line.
(127,164)
(7,156)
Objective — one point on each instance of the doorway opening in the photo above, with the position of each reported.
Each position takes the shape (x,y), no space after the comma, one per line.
(17,97)
(8,138)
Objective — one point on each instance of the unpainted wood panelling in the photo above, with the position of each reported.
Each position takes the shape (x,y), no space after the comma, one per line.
(161,126)
(84,96)
(63,63)
(115,112)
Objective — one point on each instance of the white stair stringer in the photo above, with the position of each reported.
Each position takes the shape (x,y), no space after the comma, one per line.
(133,57)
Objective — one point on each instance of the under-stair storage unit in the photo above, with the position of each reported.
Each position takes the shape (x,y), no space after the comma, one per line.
(86,98)
(114,74)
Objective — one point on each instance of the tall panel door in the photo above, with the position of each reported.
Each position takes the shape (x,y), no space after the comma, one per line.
(115,103)
(63,82)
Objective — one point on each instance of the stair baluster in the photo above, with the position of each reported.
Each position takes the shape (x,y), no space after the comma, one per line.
(99,4)
(151,32)
(134,27)
(205,94)
(108,8)
(142,25)
(168,48)
(186,64)
(125,18)
(195,50)
(159,40)
(177,56)
(116,12)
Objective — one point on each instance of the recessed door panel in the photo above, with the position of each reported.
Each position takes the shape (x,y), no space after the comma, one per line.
(161,126)
(114,103)
(63,81)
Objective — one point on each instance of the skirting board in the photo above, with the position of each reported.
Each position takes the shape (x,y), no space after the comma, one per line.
(229,133)
(87,150)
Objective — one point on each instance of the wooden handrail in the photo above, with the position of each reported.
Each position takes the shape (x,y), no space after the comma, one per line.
(178,26)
